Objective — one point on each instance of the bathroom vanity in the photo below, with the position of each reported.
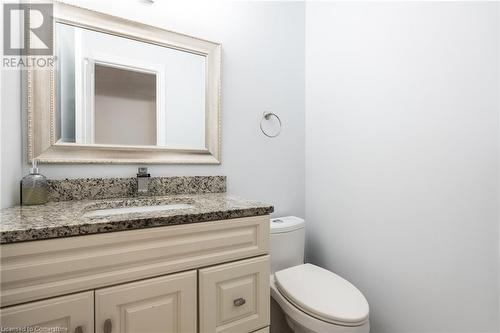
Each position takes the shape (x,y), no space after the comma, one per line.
(202,266)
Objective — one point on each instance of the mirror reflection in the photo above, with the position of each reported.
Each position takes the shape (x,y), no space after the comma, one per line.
(113,90)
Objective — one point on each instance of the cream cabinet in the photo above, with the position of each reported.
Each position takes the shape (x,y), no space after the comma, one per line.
(164,304)
(263,330)
(208,277)
(73,313)
(235,297)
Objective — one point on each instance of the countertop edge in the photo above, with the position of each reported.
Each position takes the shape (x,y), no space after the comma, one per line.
(55,232)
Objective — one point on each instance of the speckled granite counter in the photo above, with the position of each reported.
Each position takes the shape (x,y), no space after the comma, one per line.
(66,218)
(107,188)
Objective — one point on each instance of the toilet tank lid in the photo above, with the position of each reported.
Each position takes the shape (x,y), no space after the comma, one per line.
(286,224)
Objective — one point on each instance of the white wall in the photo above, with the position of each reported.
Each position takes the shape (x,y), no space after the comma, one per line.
(498,194)
(402,159)
(11,148)
(262,69)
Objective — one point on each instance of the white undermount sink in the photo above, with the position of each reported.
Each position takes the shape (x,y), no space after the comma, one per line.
(134,209)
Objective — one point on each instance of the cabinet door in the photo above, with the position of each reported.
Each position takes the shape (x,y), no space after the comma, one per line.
(159,305)
(72,313)
(235,297)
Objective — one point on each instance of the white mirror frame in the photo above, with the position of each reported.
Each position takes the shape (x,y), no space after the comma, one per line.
(41,104)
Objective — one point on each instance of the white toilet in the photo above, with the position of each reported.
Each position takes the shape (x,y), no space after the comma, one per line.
(313,299)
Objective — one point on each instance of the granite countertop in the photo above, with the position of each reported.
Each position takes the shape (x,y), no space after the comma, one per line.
(66,218)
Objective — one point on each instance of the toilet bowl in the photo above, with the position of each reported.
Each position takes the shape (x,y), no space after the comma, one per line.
(313,299)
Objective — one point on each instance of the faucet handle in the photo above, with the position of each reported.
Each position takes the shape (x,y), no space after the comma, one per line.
(143,172)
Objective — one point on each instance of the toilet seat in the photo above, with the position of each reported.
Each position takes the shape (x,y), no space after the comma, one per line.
(323,295)
(310,323)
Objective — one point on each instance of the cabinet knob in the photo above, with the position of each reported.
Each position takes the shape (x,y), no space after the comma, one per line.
(239,301)
(79,329)
(107,326)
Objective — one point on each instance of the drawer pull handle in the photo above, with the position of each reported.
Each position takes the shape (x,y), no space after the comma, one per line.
(79,329)
(239,302)
(107,326)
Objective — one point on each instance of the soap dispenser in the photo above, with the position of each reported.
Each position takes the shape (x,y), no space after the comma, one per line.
(34,187)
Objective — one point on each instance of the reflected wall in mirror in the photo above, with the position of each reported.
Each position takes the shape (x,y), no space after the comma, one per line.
(119,91)
(125,108)
(124,92)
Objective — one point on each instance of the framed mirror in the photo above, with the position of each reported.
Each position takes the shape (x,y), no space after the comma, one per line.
(124,92)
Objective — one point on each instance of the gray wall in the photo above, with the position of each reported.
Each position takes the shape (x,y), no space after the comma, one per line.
(402,159)
(262,69)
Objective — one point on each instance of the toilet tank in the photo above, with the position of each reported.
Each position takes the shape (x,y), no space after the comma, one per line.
(287,242)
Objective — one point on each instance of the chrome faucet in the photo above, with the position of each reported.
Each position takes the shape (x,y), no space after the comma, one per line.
(143,181)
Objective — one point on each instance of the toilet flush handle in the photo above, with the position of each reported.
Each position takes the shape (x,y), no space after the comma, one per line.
(239,301)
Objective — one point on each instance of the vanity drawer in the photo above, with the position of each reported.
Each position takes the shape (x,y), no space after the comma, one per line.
(234,297)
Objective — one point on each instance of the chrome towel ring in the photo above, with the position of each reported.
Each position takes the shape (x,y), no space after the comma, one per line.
(267,116)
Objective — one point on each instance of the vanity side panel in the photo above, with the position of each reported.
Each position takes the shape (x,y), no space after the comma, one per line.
(42,269)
